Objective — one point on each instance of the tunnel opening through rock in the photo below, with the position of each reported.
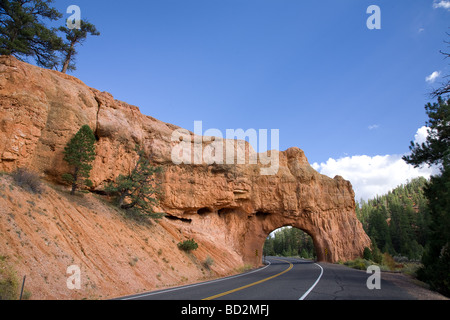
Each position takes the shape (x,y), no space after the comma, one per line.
(290,242)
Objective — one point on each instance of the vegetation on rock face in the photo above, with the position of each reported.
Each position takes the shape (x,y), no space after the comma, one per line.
(79,154)
(28,180)
(188,245)
(139,190)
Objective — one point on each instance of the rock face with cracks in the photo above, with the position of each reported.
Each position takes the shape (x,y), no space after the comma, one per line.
(40,110)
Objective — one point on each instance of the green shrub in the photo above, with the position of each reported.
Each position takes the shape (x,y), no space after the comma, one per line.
(367,254)
(188,245)
(358,263)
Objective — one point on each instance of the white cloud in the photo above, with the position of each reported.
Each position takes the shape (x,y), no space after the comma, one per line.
(421,135)
(372,176)
(432,77)
(373,127)
(442,4)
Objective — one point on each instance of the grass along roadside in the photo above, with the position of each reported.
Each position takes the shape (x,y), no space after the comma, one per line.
(387,264)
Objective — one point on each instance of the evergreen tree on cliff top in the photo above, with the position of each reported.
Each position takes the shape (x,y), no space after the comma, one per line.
(79,153)
(74,37)
(23,33)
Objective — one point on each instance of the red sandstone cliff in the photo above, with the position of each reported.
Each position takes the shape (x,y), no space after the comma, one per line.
(236,206)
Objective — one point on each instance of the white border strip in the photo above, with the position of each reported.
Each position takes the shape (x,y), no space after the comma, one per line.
(303,297)
(192,285)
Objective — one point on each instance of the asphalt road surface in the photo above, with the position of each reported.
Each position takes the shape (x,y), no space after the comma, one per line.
(285,279)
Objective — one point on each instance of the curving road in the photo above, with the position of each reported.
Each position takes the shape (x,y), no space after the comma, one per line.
(285,279)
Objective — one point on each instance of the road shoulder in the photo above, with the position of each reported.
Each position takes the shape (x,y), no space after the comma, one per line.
(412,286)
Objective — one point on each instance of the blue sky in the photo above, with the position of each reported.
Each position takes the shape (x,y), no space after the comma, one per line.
(311,69)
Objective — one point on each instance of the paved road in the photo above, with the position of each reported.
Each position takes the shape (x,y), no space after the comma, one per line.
(285,279)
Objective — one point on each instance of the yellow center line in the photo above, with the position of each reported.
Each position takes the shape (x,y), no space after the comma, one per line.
(252,284)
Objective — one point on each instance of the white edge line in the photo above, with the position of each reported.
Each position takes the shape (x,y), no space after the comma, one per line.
(314,285)
(193,285)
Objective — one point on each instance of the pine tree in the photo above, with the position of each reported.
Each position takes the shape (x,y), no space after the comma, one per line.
(75,37)
(23,33)
(379,229)
(139,189)
(268,247)
(79,154)
(436,151)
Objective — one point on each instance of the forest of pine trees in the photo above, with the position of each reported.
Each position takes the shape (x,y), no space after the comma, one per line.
(398,222)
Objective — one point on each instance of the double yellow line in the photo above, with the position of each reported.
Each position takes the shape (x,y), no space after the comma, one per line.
(252,284)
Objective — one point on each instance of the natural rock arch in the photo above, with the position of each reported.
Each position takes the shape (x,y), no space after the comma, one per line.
(320,248)
(249,206)
(42,109)
(255,229)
